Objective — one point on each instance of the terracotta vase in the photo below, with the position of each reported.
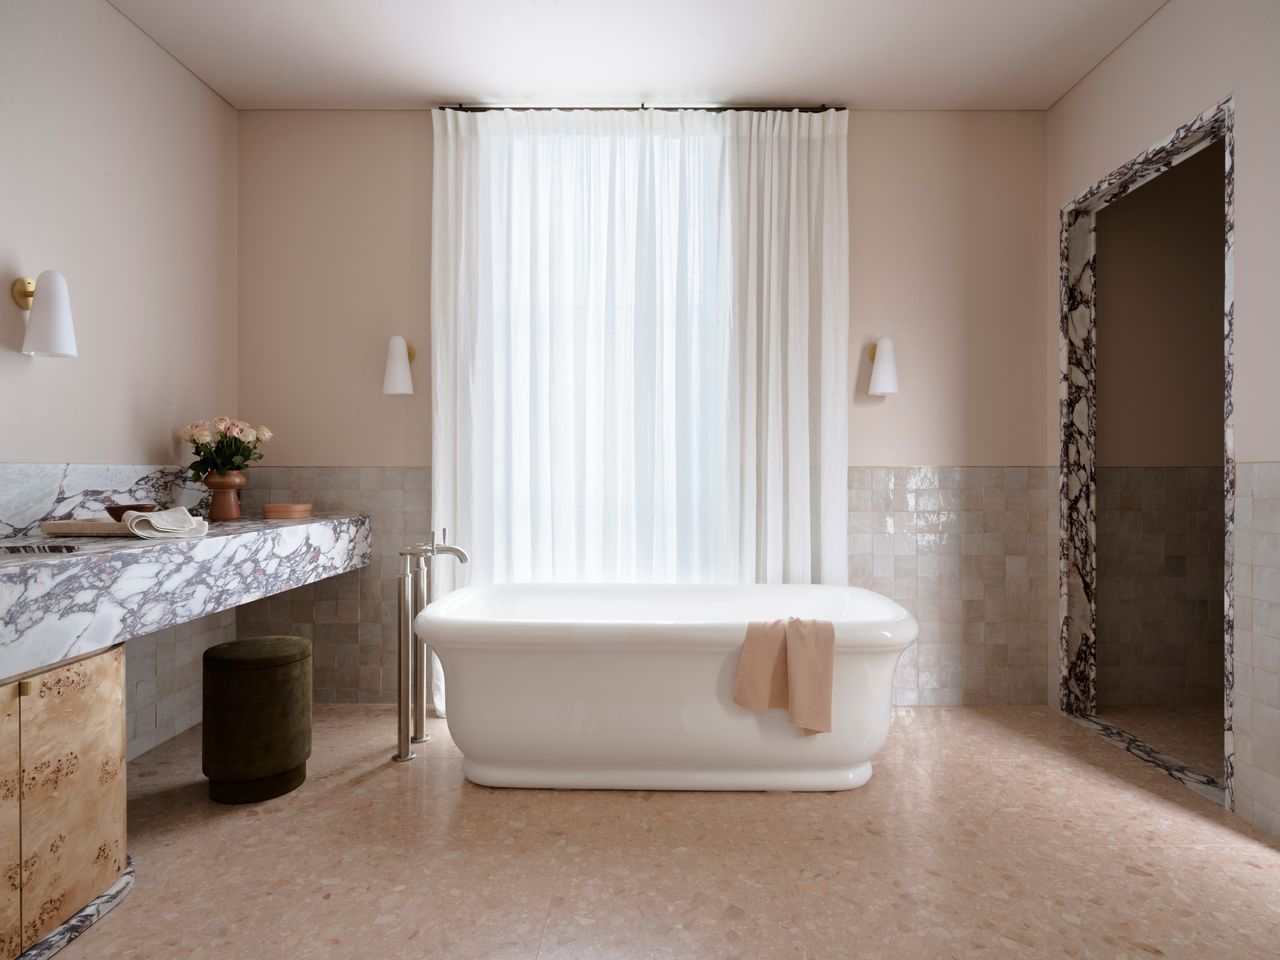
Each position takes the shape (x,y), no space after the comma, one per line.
(226,494)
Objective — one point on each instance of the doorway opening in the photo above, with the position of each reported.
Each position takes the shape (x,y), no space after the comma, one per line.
(1148,475)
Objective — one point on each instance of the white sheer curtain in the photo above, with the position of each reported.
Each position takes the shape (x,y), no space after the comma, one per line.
(639,344)
(787,184)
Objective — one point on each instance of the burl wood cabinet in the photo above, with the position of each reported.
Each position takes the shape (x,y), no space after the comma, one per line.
(10,842)
(62,811)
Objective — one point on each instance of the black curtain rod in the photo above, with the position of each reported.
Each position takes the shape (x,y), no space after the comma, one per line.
(480,108)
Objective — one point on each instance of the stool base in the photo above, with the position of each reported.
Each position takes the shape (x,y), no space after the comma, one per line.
(255,791)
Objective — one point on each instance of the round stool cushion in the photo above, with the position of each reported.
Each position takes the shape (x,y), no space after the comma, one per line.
(257,717)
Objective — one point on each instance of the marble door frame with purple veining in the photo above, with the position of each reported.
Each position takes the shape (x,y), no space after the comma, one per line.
(1077,397)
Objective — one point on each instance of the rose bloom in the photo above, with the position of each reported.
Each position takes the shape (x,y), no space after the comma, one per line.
(264,434)
(202,435)
(247,433)
(220,424)
(235,429)
(188,433)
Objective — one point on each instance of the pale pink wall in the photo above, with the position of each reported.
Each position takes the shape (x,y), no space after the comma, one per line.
(334,253)
(947,236)
(1188,56)
(946,252)
(119,170)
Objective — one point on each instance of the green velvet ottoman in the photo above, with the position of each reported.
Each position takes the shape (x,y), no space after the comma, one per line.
(257,717)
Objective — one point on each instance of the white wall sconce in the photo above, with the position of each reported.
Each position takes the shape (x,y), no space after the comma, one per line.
(397,380)
(884,370)
(46,304)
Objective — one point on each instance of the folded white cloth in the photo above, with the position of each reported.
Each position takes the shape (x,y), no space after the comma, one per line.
(173,524)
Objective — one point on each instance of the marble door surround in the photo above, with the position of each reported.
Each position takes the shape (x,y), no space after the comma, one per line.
(1078,547)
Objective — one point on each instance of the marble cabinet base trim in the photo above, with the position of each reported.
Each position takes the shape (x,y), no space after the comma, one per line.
(1201,783)
(78,923)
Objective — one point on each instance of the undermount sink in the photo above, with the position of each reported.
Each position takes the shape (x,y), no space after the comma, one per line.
(38,547)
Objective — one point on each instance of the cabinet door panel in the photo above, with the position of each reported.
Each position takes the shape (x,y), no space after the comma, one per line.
(10,849)
(73,789)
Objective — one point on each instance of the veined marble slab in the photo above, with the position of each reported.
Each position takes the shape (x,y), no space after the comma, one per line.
(55,606)
(32,492)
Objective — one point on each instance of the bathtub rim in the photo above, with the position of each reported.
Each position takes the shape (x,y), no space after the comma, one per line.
(445,632)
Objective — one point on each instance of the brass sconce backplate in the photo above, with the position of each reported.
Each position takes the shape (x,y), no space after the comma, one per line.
(24,291)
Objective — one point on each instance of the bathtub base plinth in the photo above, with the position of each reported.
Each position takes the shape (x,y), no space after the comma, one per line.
(642,778)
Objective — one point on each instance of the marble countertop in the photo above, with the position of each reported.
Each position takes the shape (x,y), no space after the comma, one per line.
(58,605)
(38,548)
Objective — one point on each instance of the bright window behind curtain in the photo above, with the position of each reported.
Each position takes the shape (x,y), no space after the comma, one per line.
(639,338)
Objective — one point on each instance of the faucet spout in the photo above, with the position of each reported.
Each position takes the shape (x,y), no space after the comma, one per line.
(442,549)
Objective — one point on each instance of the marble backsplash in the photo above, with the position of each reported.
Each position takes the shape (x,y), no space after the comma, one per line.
(33,492)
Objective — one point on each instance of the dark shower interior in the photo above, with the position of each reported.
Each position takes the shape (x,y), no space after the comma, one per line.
(1160,449)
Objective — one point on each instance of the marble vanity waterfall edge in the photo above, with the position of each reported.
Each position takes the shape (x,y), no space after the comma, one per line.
(57,606)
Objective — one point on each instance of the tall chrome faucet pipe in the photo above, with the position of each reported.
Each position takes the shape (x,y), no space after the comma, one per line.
(422,596)
(408,558)
(415,658)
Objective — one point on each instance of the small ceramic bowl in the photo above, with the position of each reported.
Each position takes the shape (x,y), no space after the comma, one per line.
(286,511)
(117,510)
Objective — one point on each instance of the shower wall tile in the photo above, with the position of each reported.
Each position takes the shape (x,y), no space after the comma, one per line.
(352,619)
(1160,586)
(966,549)
(1256,662)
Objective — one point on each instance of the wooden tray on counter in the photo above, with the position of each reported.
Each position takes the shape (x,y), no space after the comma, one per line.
(84,528)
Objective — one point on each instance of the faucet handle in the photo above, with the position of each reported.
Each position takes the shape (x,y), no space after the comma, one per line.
(444,534)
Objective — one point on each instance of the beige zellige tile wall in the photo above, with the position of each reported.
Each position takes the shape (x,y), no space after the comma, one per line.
(966,549)
(164,676)
(351,619)
(1256,715)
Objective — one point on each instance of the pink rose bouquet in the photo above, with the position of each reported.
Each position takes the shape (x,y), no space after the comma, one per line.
(222,444)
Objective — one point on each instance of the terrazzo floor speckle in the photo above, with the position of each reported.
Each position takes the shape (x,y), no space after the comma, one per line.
(985,832)
(1190,734)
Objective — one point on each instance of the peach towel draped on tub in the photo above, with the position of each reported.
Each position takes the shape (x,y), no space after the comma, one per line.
(788,665)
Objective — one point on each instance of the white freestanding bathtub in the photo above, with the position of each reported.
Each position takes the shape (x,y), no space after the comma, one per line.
(630,686)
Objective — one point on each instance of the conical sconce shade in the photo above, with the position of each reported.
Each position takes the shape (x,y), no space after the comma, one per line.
(884,370)
(398,379)
(50,331)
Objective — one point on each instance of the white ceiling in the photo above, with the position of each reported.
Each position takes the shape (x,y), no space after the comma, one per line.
(945,54)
